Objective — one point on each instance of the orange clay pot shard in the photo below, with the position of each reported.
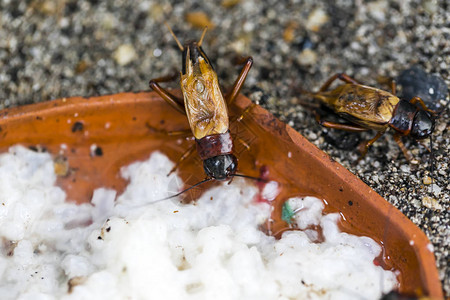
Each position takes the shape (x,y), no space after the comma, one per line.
(97,136)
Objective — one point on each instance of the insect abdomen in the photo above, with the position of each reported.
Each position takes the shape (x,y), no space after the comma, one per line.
(214,145)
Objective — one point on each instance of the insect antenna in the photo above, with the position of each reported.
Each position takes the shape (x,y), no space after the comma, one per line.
(174,36)
(193,186)
(250,177)
(185,190)
(201,38)
(170,197)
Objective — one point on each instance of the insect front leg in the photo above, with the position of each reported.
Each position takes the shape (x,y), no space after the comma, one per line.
(398,140)
(240,80)
(422,104)
(173,100)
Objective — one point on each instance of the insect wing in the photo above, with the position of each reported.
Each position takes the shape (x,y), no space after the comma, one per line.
(205,107)
(364,105)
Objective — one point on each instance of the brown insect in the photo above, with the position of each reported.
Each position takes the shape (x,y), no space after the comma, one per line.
(371,108)
(206,108)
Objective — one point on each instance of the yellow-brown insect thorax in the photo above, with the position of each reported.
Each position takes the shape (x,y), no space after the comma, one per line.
(205,107)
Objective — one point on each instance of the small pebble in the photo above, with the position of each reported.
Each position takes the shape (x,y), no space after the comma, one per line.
(108,21)
(289,32)
(435,189)
(157,52)
(430,6)
(405,168)
(431,203)
(312,136)
(48,7)
(124,54)
(307,57)
(316,19)
(427,180)
(378,9)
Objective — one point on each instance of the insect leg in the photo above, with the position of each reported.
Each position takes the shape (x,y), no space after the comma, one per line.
(342,76)
(346,127)
(246,146)
(327,84)
(422,104)
(398,140)
(424,145)
(239,118)
(183,157)
(240,80)
(394,87)
(174,101)
(235,129)
(364,146)
(186,132)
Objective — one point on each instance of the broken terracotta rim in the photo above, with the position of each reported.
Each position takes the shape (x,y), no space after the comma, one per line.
(128,127)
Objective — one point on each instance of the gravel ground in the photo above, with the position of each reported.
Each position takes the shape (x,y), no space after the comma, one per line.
(54,49)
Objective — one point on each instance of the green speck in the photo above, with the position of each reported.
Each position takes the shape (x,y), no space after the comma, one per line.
(287,213)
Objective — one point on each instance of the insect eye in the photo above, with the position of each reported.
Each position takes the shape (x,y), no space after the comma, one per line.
(199,86)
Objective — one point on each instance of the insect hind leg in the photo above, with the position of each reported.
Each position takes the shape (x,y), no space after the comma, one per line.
(238,118)
(240,80)
(346,127)
(179,133)
(342,76)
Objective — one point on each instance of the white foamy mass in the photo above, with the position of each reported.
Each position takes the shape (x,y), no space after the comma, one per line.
(122,247)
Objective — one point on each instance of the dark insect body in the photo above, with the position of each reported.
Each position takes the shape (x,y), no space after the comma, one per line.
(369,108)
(206,109)
(394,295)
